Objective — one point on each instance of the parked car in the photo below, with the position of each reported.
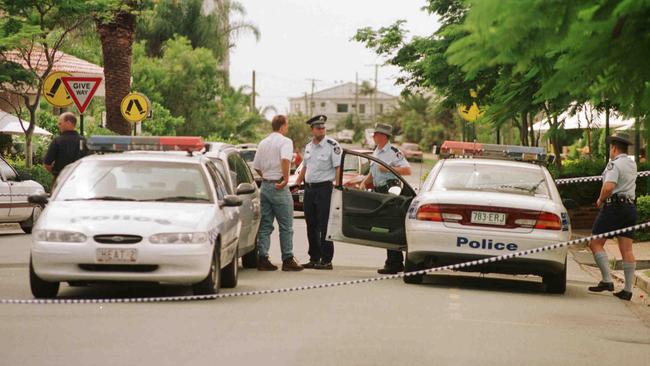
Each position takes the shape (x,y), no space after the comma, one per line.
(411,151)
(355,169)
(470,208)
(14,190)
(141,216)
(247,152)
(237,173)
(368,141)
(345,136)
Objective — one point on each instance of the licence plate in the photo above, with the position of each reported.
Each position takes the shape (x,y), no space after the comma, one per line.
(114,255)
(488,218)
(301,198)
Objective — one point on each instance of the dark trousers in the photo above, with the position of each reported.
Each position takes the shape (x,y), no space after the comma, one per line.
(317,209)
(394,258)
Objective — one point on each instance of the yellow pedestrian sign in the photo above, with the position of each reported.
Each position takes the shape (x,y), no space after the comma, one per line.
(55,92)
(135,107)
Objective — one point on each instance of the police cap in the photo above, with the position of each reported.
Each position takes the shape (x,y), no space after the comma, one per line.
(621,136)
(384,128)
(316,121)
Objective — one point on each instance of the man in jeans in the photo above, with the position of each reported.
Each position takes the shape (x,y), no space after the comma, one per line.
(272,162)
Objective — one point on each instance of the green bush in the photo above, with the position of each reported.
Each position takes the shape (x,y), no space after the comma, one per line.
(37,172)
(643,210)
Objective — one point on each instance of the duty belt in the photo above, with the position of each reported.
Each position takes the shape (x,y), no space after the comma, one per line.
(318,184)
(613,199)
(272,180)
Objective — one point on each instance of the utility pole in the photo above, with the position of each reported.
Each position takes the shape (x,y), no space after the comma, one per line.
(373,96)
(311,97)
(356,95)
(306,104)
(253,95)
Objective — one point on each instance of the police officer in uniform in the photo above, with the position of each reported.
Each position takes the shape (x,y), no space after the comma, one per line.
(382,179)
(617,211)
(322,160)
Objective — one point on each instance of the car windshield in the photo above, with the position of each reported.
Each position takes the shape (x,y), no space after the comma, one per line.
(247,155)
(121,180)
(491,177)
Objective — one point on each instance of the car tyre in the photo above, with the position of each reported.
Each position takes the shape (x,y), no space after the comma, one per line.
(249,260)
(28,224)
(41,289)
(556,283)
(410,266)
(210,285)
(229,273)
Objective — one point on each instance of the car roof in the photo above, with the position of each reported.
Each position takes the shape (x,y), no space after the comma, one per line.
(153,156)
(219,147)
(482,161)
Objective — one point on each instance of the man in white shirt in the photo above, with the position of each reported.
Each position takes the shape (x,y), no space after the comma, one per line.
(272,162)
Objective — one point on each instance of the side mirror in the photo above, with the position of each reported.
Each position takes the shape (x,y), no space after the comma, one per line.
(569,204)
(395,190)
(24,177)
(38,199)
(231,201)
(245,188)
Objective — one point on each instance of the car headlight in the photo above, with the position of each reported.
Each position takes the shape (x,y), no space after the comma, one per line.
(59,236)
(179,238)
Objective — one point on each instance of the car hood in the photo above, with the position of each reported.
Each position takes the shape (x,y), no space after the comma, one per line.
(140,218)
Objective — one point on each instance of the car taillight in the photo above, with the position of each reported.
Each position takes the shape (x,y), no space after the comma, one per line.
(429,213)
(548,221)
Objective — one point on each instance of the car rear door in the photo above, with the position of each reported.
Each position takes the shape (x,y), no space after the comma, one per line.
(5,197)
(366,217)
(250,208)
(20,209)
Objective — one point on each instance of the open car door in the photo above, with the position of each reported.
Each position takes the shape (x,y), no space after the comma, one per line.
(367,217)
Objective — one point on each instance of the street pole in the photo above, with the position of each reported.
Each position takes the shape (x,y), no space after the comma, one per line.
(356,95)
(637,139)
(81,124)
(606,130)
(253,96)
(375,91)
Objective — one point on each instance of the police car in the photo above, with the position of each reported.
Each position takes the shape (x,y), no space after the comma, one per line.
(14,190)
(145,216)
(479,201)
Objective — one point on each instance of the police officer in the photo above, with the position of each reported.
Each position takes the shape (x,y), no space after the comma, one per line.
(65,148)
(383,179)
(617,211)
(322,162)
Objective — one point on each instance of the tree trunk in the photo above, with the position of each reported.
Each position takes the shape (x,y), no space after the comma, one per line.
(117,41)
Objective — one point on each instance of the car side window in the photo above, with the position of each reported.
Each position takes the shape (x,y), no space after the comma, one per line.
(239,167)
(7,171)
(221,169)
(219,182)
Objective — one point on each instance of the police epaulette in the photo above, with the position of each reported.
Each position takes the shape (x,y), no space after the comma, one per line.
(394,149)
(331,142)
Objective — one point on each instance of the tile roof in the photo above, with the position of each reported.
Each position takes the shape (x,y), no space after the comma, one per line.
(62,62)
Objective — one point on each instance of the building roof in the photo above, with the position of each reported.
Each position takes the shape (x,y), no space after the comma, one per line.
(62,62)
(345,91)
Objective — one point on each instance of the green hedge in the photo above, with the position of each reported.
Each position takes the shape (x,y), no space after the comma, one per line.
(643,210)
(37,172)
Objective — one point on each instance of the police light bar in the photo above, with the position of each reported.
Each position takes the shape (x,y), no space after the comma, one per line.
(150,143)
(460,149)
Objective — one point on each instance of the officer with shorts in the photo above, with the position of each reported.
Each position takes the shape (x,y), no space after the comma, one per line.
(617,211)
(321,166)
(383,179)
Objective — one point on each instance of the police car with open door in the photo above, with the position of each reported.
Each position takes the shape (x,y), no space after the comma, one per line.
(477,202)
(146,216)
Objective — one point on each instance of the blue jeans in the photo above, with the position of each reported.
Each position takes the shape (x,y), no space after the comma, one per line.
(276,203)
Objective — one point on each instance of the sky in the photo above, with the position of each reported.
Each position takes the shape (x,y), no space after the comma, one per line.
(310,39)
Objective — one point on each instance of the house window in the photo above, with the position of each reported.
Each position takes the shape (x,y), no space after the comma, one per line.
(341,108)
(362,108)
(322,104)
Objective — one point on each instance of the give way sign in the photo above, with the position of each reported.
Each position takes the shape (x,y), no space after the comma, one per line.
(81,89)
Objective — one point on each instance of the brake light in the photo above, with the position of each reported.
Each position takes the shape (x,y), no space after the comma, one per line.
(429,213)
(548,221)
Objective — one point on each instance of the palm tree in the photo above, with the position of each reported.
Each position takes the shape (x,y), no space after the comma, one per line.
(116,34)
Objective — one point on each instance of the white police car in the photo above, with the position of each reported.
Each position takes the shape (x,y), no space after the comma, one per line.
(470,207)
(143,216)
(14,190)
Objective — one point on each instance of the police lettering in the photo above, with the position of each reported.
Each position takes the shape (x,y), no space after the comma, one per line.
(485,244)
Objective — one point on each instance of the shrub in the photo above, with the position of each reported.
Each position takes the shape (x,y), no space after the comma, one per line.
(37,172)
(643,210)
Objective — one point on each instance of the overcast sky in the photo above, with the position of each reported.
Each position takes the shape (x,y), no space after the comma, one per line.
(305,39)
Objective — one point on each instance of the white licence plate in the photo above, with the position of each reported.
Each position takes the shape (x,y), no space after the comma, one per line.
(115,255)
(301,198)
(488,218)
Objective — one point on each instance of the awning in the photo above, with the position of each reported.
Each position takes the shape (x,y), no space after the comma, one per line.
(10,124)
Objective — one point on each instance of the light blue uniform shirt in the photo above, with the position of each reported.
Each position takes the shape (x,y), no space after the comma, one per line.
(391,156)
(321,160)
(622,171)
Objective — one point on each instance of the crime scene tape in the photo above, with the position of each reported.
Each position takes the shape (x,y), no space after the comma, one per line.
(325,285)
(593,178)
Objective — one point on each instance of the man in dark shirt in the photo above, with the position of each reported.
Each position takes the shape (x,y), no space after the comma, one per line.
(65,148)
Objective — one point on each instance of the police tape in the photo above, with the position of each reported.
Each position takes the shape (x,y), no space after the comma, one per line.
(328,285)
(593,178)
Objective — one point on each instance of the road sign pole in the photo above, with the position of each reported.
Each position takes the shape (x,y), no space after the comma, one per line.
(81,124)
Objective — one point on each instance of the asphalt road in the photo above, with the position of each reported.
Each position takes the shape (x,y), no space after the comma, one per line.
(458,319)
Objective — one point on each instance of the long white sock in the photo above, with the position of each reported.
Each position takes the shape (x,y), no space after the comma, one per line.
(603,264)
(628,271)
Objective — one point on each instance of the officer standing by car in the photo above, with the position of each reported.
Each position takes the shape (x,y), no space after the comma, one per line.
(65,148)
(383,179)
(322,162)
(617,210)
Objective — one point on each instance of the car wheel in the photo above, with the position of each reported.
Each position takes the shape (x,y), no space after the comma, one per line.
(556,283)
(229,273)
(410,266)
(249,260)
(210,285)
(28,224)
(41,289)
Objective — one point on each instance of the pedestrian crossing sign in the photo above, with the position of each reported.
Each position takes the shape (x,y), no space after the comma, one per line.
(135,107)
(55,92)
